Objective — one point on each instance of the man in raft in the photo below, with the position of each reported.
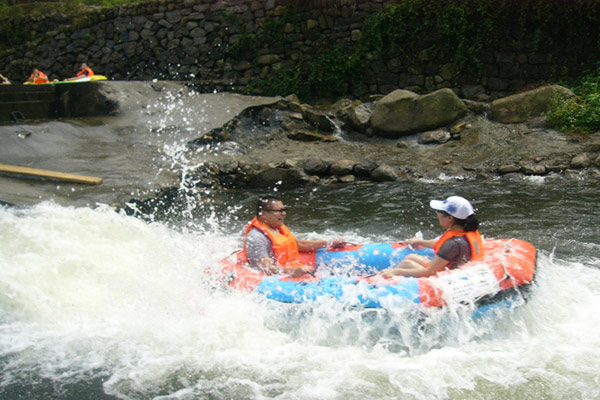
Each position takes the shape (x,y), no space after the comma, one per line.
(38,77)
(459,244)
(270,246)
(84,72)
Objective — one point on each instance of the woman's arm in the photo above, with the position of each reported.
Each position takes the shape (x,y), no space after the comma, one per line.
(422,242)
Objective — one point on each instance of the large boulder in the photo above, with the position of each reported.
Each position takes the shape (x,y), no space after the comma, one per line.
(320,117)
(402,113)
(393,112)
(524,106)
(360,116)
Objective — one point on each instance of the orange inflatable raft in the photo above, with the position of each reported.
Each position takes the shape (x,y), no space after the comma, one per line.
(506,270)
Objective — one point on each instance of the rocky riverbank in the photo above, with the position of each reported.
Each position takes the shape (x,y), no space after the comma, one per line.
(162,140)
(287,144)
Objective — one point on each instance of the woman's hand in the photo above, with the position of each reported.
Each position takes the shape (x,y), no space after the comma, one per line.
(421,242)
(413,242)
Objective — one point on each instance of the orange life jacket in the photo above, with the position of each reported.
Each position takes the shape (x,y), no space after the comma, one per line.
(41,78)
(284,243)
(473,237)
(87,72)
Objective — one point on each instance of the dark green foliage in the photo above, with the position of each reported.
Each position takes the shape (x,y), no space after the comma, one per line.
(16,16)
(324,77)
(269,33)
(409,31)
(11,32)
(452,31)
(580,114)
(16,8)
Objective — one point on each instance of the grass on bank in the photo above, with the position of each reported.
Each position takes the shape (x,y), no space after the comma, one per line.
(582,113)
(17,8)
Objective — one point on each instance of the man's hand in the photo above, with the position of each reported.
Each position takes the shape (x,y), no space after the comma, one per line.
(298,271)
(336,243)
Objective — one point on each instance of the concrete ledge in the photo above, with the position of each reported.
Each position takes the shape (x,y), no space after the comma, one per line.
(66,100)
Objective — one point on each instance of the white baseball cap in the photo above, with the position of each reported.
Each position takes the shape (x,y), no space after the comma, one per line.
(457,206)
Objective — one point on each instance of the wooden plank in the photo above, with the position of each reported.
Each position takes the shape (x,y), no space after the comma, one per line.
(61,176)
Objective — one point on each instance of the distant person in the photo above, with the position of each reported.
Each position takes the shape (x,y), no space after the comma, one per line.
(459,244)
(4,80)
(38,77)
(269,245)
(84,72)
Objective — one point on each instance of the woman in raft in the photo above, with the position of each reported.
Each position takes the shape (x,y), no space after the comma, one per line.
(459,244)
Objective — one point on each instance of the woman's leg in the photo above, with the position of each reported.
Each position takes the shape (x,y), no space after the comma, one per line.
(414,258)
(411,261)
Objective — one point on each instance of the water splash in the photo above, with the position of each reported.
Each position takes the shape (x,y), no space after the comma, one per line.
(91,297)
(338,132)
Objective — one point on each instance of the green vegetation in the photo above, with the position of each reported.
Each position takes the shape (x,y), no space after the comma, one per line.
(14,8)
(249,42)
(268,33)
(580,114)
(411,32)
(15,15)
(456,31)
(326,76)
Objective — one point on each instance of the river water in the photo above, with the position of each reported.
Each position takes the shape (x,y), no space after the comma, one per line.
(95,304)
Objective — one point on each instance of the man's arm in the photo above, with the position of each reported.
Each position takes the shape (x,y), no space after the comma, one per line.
(312,245)
(267,266)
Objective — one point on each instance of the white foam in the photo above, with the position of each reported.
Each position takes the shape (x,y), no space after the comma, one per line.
(92,293)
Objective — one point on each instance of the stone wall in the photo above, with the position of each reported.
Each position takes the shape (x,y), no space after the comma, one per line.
(202,41)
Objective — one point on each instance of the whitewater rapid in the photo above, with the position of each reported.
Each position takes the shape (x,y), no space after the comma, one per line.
(92,300)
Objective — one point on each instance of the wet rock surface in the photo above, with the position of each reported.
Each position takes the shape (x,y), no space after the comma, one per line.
(166,139)
(472,147)
(530,104)
(402,112)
